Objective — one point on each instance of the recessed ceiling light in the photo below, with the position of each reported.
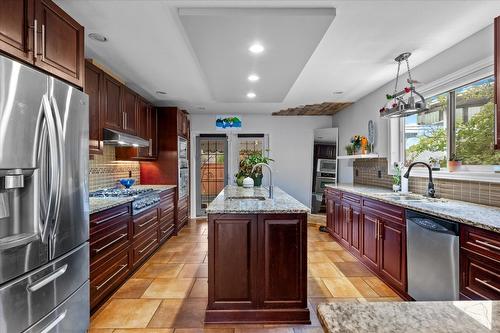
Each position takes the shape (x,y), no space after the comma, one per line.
(160,92)
(251,95)
(337,92)
(98,37)
(256,48)
(253,78)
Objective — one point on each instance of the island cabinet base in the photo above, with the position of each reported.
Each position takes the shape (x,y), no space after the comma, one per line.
(257,268)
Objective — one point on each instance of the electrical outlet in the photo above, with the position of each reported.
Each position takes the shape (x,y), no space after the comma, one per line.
(379,173)
(356,172)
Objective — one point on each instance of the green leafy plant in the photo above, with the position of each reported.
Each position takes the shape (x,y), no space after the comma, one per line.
(248,163)
(349,149)
(396,177)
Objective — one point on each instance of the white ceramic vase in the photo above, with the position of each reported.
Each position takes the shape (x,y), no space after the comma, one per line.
(247,182)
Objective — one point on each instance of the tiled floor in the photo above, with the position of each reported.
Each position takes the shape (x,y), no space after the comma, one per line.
(169,292)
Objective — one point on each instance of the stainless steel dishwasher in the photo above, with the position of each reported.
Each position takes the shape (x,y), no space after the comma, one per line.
(432,250)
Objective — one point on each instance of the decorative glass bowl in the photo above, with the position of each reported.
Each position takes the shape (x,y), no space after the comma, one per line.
(127,182)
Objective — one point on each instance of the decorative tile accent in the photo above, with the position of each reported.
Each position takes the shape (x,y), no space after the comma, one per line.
(485,193)
(105,171)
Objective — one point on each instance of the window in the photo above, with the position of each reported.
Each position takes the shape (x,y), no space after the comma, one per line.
(459,123)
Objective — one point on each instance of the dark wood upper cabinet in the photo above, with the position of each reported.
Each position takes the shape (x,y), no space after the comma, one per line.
(93,88)
(129,111)
(497,82)
(59,43)
(142,119)
(111,103)
(16,17)
(182,124)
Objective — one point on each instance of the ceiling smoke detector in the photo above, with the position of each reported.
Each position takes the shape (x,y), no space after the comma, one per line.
(98,37)
(160,92)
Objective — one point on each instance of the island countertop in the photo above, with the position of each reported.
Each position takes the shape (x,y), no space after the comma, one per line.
(410,317)
(486,217)
(239,200)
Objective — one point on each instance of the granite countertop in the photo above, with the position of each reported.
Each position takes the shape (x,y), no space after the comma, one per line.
(99,204)
(486,217)
(411,317)
(281,203)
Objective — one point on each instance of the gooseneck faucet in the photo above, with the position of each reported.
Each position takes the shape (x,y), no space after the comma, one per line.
(430,185)
(270,177)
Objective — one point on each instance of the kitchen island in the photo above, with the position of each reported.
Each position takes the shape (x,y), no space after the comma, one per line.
(257,258)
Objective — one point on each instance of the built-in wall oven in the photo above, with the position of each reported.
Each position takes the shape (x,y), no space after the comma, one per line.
(326,165)
(322,180)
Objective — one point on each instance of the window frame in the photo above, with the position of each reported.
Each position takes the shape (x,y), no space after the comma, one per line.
(450,118)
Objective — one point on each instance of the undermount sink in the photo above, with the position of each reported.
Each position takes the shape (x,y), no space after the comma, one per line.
(409,197)
(259,198)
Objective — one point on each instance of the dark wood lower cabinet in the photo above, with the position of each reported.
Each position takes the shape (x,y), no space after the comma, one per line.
(121,242)
(372,231)
(257,268)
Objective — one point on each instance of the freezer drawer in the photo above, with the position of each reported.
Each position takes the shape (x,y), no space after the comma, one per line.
(31,297)
(71,316)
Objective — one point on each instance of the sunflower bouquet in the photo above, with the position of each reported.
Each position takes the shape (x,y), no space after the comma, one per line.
(359,143)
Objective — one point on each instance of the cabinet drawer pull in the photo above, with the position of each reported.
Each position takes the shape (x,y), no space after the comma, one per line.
(147,222)
(47,279)
(35,37)
(110,218)
(485,283)
(167,230)
(491,246)
(150,147)
(110,243)
(122,267)
(147,247)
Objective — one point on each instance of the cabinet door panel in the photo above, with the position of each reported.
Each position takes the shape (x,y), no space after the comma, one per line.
(142,120)
(282,261)
(232,261)
(61,43)
(355,225)
(337,222)
(370,246)
(393,253)
(330,211)
(111,100)
(129,111)
(93,88)
(480,276)
(16,16)
(346,217)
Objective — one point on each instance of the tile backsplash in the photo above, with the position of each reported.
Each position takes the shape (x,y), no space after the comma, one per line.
(367,172)
(105,171)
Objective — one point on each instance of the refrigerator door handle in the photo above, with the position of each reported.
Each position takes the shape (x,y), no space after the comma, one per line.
(50,201)
(47,279)
(53,324)
(60,161)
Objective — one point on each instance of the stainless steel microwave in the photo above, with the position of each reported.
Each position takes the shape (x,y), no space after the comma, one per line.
(326,165)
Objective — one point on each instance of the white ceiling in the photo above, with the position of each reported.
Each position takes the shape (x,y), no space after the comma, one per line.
(152,48)
(221,37)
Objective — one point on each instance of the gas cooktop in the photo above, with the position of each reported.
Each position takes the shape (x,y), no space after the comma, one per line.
(144,198)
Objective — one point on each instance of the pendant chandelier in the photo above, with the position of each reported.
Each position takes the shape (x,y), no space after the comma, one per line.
(407,101)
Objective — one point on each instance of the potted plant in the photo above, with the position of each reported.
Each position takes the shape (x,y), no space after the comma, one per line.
(454,163)
(349,149)
(246,167)
(396,178)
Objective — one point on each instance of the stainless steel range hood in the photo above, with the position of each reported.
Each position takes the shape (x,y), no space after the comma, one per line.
(112,137)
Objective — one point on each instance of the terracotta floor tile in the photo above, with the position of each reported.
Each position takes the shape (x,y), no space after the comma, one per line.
(320,270)
(161,257)
(317,256)
(380,299)
(179,314)
(100,330)
(315,301)
(177,247)
(264,330)
(126,313)
(334,256)
(346,256)
(364,289)
(308,330)
(328,246)
(353,269)
(169,288)
(154,270)
(380,287)
(200,288)
(133,288)
(316,288)
(144,330)
(204,330)
(341,287)
(189,257)
(194,270)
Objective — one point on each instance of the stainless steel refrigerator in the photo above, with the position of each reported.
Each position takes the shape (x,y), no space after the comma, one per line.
(44,220)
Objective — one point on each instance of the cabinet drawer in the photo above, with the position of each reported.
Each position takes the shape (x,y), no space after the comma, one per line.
(107,239)
(169,218)
(166,206)
(183,203)
(480,277)
(351,198)
(98,220)
(165,231)
(145,246)
(386,211)
(106,277)
(145,221)
(332,193)
(480,241)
